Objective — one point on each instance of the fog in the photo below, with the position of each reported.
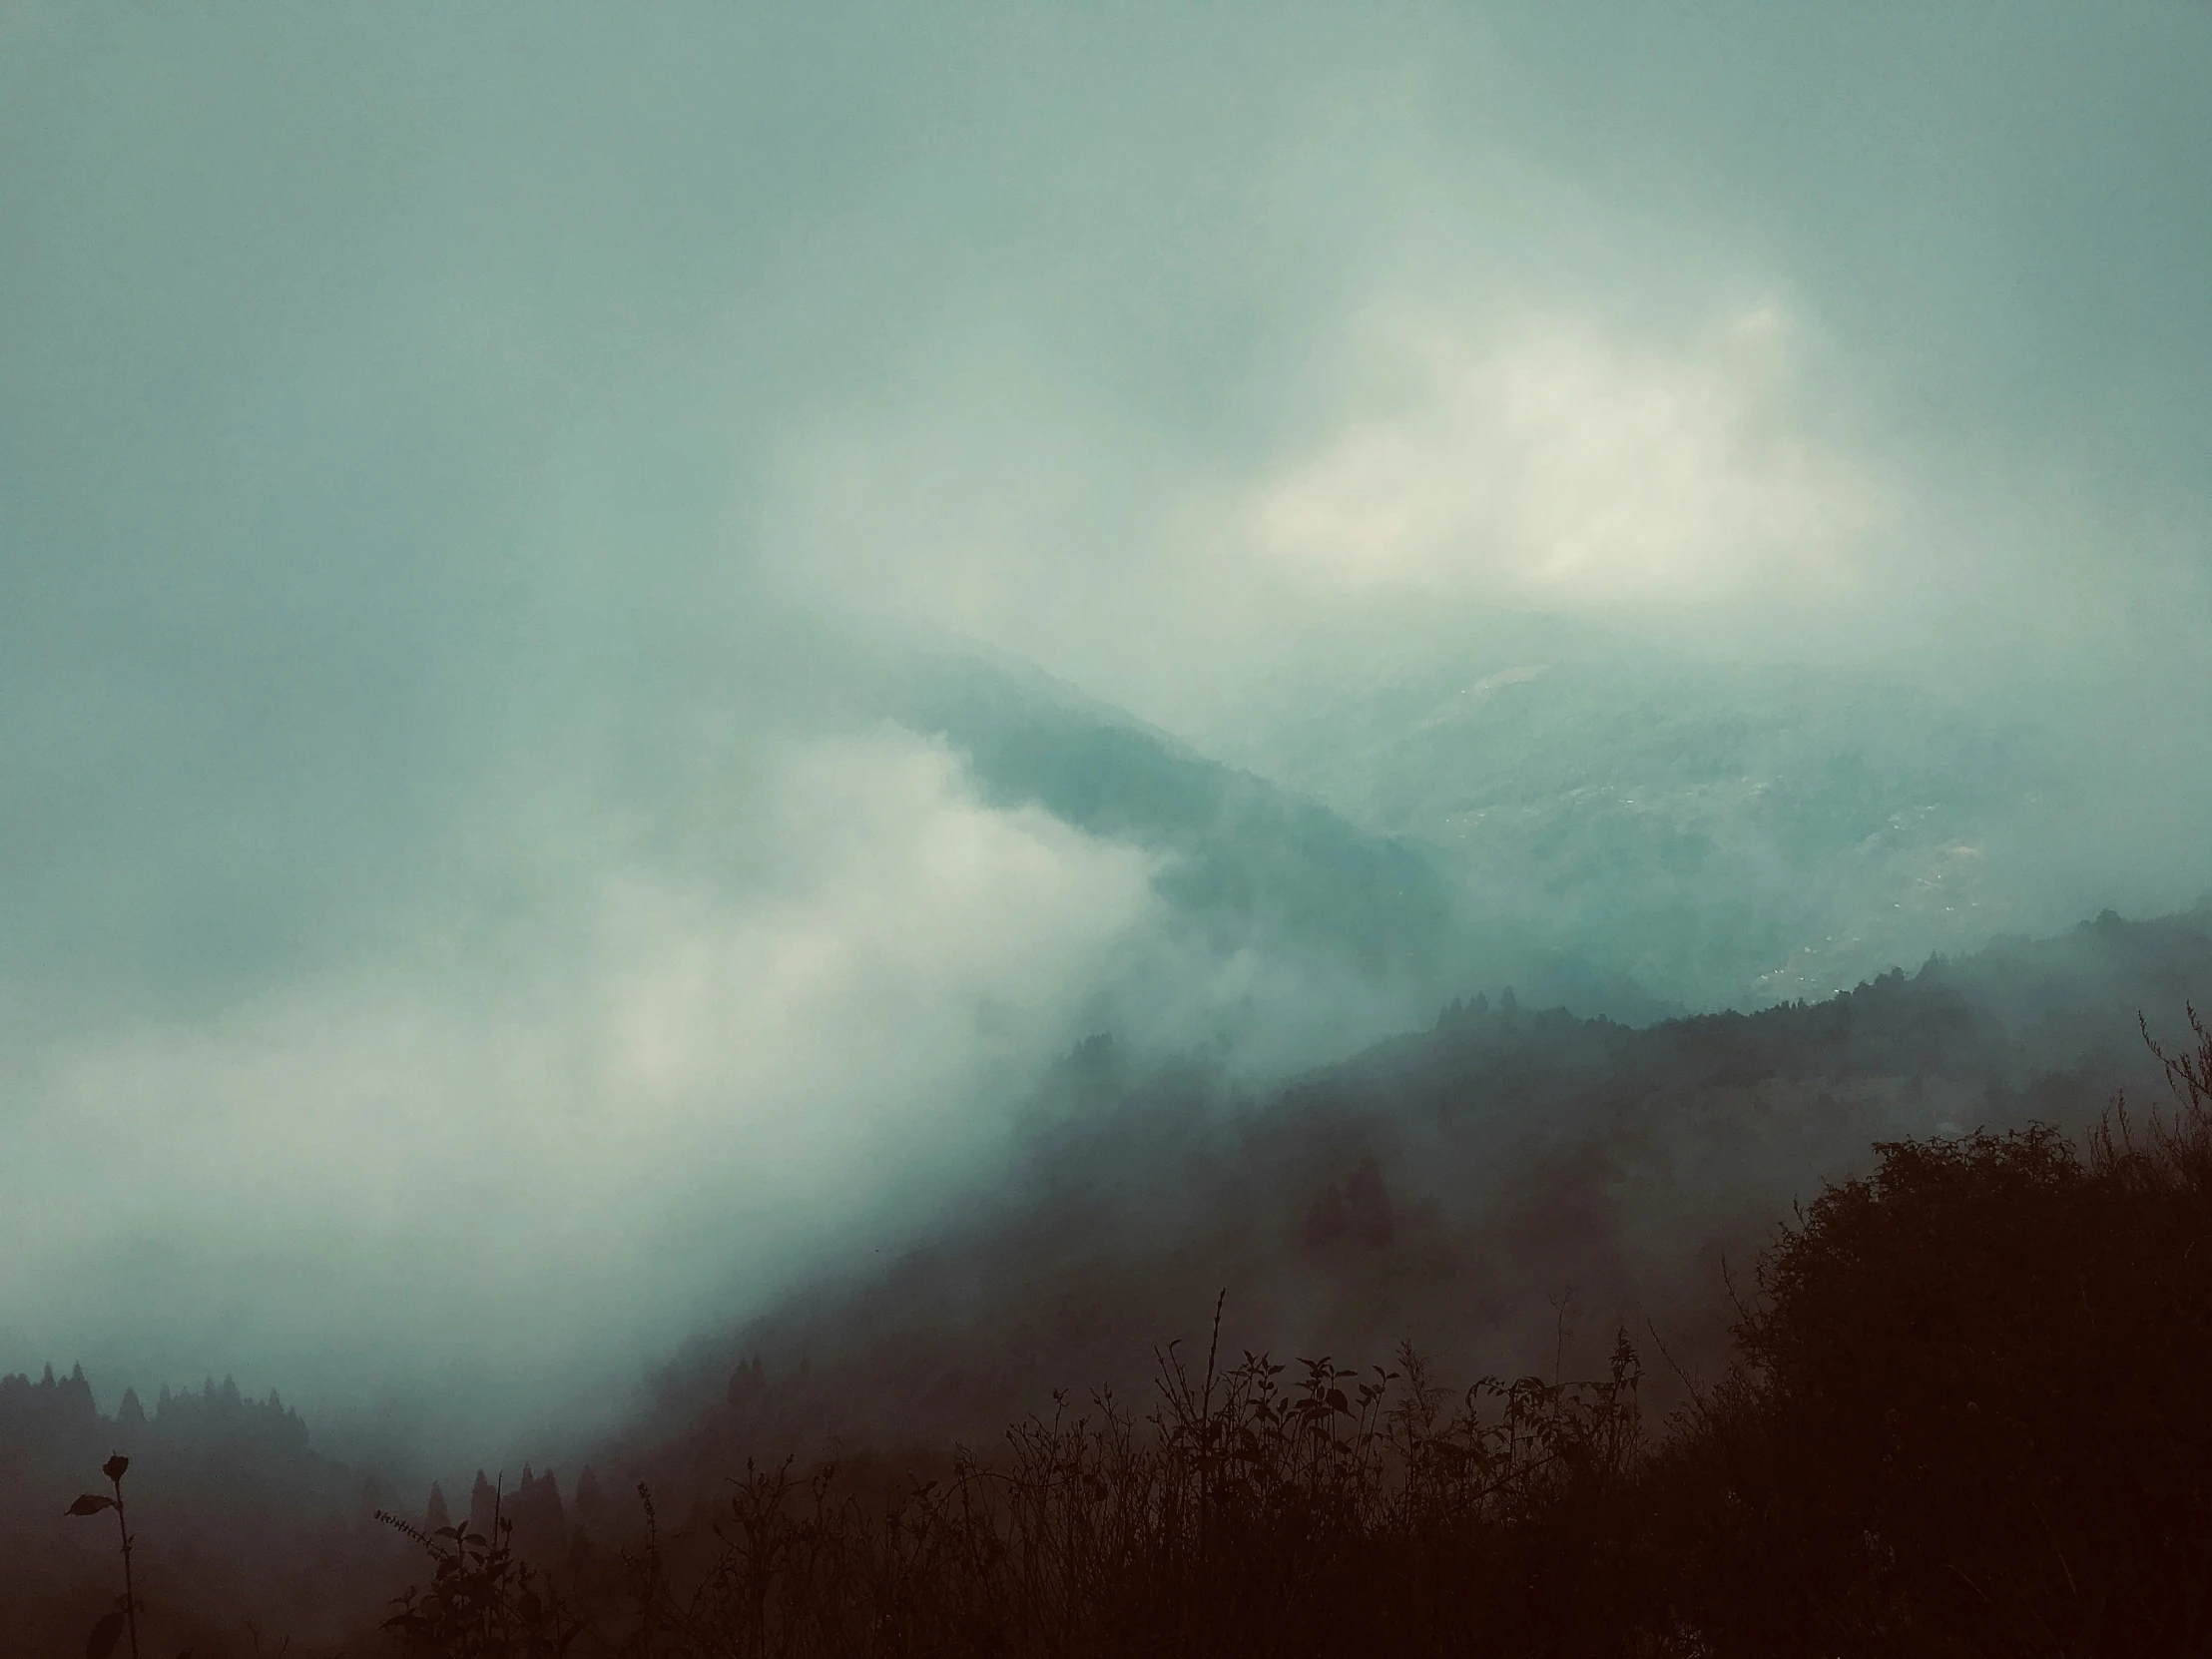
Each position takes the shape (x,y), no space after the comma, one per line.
(491,502)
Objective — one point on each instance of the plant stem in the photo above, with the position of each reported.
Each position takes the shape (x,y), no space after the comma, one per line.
(130,1590)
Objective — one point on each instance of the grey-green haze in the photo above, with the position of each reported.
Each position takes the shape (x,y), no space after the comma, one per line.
(533,542)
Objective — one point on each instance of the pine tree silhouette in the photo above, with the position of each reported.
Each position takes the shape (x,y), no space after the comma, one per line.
(483,1503)
(591,1502)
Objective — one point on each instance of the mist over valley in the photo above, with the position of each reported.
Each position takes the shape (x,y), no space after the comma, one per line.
(837,759)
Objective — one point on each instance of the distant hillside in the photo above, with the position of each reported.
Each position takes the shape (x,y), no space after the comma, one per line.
(1251,867)
(1728,835)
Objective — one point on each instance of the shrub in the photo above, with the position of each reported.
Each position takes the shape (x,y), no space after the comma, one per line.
(1257,1507)
(482,1602)
(1969,1416)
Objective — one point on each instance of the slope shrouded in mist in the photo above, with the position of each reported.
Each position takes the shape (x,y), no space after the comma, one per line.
(617,630)
(1506,1189)
(1482,1187)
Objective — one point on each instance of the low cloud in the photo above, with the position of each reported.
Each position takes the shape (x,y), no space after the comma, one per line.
(1552,464)
(704,1091)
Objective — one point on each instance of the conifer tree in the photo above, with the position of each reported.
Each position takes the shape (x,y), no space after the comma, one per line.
(591,1502)
(483,1503)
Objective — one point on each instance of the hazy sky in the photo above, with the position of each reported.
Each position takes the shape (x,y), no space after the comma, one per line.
(451,913)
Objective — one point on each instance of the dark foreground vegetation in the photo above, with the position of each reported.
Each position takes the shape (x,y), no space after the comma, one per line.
(1967,1416)
(1958,1407)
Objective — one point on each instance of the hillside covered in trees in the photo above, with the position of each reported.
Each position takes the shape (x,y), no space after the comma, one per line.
(1467,1185)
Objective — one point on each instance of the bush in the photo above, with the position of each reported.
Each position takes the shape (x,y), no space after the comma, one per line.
(1256,1508)
(1970,1416)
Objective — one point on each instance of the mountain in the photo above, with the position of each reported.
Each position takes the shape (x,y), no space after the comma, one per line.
(1251,867)
(1727,834)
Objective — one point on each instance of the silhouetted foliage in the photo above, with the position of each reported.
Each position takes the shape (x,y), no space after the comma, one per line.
(100,1642)
(483,1601)
(1257,1507)
(1959,1412)
(1970,1414)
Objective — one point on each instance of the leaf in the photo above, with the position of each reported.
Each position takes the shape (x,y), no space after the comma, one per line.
(113,1468)
(89,1503)
(101,1642)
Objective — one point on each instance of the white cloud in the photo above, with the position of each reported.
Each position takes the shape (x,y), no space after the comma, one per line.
(1532,458)
(706,1089)
(1549,462)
